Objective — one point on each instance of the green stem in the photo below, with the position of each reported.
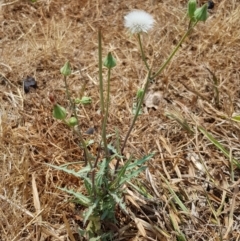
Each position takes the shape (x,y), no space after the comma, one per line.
(78,131)
(137,111)
(101,91)
(174,51)
(152,77)
(106,112)
(142,52)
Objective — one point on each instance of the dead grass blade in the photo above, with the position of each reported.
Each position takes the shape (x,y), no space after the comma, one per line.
(24,210)
(140,227)
(215,86)
(27,225)
(174,220)
(230,218)
(36,200)
(69,231)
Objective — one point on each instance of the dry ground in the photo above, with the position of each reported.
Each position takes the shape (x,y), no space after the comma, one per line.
(37,38)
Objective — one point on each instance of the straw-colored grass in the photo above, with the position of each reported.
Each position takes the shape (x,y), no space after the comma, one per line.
(193,185)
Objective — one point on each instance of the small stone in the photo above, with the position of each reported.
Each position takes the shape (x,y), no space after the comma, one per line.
(28,83)
(210,4)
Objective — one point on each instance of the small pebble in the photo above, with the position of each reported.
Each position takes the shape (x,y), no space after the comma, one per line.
(28,83)
(210,4)
(90,131)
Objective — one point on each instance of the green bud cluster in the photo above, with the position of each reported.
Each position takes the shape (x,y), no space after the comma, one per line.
(197,14)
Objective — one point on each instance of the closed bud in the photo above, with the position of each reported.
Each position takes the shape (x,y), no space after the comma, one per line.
(109,61)
(59,112)
(201,13)
(72,121)
(66,69)
(192,6)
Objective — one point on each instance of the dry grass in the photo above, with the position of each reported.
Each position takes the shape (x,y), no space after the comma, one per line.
(36,40)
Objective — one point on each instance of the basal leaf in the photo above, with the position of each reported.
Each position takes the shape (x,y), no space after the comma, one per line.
(131,175)
(85,201)
(101,173)
(119,201)
(90,210)
(140,162)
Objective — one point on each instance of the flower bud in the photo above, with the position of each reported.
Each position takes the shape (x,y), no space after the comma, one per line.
(201,13)
(72,121)
(66,69)
(192,6)
(59,112)
(109,61)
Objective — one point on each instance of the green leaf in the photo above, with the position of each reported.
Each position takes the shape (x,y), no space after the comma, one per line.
(140,162)
(59,112)
(85,201)
(131,175)
(236,118)
(81,173)
(101,173)
(219,146)
(90,210)
(119,201)
(88,186)
(115,183)
(108,208)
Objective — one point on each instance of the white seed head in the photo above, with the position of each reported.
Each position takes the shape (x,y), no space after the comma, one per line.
(138,21)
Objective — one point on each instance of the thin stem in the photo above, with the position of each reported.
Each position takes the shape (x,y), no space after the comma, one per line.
(142,52)
(93,183)
(137,111)
(86,154)
(101,91)
(106,112)
(174,51)
(152,77)
(108,93)
(140,101)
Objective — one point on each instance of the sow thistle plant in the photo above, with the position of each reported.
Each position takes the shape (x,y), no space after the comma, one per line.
(104,181)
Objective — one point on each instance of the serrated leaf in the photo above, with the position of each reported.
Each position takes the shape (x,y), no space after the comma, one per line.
(101,172)
(90,210)
(140,162)
(85,201)
(115,183)
(64,168)
(88,186)
(119,201)
(131,175)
